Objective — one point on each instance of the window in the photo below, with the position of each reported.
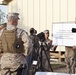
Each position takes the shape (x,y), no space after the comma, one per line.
(3,13)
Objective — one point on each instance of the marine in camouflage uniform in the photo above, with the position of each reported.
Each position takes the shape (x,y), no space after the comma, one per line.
(70,57)
(2,26)
(15,45)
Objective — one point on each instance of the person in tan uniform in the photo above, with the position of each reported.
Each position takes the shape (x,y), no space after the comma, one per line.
(2,26)
(15,44)
(70,58)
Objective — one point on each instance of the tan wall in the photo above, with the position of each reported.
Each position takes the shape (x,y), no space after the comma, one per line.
(40,14)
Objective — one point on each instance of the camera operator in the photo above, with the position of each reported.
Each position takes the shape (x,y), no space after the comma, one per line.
(49,46)
(35,49)
(46,45)
(41,48)
(35,41)
(48,41)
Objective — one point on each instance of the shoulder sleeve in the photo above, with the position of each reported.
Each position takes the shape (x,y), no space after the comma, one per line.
(27,42)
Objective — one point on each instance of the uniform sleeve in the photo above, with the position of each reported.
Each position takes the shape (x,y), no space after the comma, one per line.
(27,43)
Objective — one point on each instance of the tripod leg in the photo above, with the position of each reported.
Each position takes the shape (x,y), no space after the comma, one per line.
(48,61)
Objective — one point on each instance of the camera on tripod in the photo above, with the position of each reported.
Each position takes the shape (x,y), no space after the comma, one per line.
(41,52)
(41,36)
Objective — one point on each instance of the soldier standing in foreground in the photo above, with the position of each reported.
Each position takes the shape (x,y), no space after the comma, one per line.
(2,26)
(15,45)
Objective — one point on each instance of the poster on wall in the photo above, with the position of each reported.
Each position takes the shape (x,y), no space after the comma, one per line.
(63,35)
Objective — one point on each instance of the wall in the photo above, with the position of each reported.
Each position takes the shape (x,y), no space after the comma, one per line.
(40,14)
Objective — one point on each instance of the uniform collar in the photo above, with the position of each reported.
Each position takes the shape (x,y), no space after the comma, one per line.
(11,27)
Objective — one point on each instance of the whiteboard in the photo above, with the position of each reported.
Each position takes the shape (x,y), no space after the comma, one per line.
(62,34)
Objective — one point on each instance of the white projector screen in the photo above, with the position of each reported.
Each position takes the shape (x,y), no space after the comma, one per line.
(62,34)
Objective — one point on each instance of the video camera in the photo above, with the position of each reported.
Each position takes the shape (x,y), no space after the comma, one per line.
(41,36)
(73,30)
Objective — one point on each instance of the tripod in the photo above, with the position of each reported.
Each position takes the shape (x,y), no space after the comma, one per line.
(39,58)
(44,50)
